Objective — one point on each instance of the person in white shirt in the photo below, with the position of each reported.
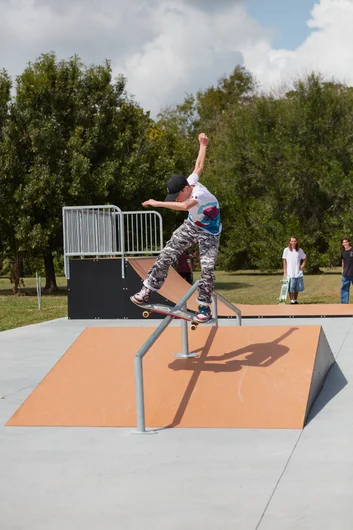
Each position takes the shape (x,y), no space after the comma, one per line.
(294,260)
(203,225)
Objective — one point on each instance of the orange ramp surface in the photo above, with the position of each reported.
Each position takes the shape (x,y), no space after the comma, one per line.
(254,377)
(175,287)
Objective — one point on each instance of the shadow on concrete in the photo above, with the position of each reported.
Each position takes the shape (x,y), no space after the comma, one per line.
(335,382)
(261,354)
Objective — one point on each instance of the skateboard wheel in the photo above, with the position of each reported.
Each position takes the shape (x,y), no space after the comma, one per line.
(146,314)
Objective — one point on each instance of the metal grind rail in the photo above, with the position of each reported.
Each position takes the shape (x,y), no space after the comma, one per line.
(231,306)
(140,399)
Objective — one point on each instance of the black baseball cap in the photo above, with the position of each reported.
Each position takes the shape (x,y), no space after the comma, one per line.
(174,187)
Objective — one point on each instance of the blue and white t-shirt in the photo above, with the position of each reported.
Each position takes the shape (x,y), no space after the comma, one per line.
(206,213)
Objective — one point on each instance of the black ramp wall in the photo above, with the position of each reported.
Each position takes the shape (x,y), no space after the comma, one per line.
(96,290)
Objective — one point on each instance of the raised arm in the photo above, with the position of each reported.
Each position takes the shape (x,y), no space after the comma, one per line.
(179,206)
(200,161)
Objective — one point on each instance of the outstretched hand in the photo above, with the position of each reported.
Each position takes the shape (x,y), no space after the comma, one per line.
(150,202)
(203,139)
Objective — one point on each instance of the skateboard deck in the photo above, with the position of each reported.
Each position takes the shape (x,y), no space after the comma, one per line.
(284,291)
(170,311)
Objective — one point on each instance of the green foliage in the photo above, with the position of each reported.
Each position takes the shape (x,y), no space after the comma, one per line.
(63,135)
(71,136)
(280,164)
(214,103)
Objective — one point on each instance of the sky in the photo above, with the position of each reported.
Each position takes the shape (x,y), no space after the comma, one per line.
(287,19)
(167,49)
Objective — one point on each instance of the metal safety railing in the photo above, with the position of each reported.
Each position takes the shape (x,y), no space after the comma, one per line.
(107,231)
(143,232)
(140,400)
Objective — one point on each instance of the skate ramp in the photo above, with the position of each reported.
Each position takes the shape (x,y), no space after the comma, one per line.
(293,311)
(174,286)
(244,377)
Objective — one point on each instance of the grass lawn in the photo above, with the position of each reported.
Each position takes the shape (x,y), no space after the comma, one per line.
(260,288)
(16,311)
(240,287)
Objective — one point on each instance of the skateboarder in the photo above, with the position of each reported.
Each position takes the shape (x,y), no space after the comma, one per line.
(203,225)
(294,260)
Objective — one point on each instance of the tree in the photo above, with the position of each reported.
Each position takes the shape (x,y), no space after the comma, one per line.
(205,111)
(282,166)
(213,103)
(8,244)
(71,138)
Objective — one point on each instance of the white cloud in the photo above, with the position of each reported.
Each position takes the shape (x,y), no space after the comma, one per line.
(94,29)
(191,50)
(328,49)
(169,48)
(165,48)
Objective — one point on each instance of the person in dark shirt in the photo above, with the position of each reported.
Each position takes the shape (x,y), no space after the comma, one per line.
(184,267)
(347,268)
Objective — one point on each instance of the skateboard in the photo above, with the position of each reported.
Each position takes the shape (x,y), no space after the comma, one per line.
(170,311)
(284,291)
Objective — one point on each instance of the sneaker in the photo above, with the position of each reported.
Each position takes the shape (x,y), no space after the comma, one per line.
(142,296)
(292,301)
(204,313)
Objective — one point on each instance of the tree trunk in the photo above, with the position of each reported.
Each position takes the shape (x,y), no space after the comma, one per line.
(50,280)
(16,274)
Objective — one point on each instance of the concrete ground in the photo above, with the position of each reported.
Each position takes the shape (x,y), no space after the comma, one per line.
(108,478)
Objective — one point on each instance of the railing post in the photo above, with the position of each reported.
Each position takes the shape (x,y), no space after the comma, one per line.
(122,244)
(215,309)
(185,354)
(231,306)
(140,403)
(39,290)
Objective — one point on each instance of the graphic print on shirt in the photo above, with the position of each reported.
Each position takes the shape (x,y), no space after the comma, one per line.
(206,213)
(211,218)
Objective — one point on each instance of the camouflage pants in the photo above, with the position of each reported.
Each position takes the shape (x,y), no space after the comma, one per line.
(182,238)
